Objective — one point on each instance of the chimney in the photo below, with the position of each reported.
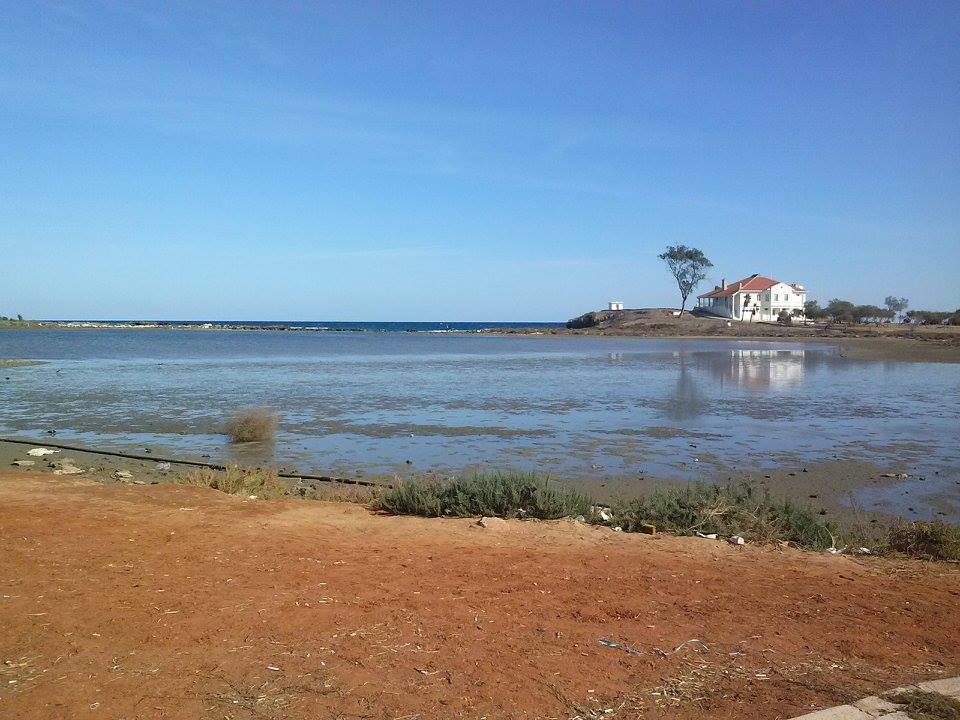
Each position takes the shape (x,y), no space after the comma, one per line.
(723,284)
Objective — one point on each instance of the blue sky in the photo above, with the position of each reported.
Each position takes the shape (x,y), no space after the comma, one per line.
(459,161)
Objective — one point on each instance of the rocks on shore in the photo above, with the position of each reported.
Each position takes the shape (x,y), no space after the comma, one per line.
(492,523)
(24,463)
(67,466)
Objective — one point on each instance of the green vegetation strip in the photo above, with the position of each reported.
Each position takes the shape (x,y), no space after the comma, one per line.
(727,510)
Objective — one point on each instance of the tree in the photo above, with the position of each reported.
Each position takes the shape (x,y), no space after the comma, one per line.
(19,317)
(688,267)
(813,311)
(896,305)
(747,299)
(841,311)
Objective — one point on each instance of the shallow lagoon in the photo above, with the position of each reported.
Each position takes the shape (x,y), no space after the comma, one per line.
(366,403)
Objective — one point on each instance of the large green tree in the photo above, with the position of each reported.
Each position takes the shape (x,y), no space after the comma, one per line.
(688,267)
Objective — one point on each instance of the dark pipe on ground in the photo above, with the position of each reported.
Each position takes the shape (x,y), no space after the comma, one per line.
(192,463)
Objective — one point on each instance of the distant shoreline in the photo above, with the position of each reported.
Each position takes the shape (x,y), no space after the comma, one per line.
(291,326)
(939,344)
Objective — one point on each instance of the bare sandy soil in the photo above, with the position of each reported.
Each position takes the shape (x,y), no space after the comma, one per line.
(178,602)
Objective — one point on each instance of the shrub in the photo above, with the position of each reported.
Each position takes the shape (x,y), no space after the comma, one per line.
(255,425)
(921,705)
(936,540)
(727,510)
(262,482)
(492,495)
(785,318)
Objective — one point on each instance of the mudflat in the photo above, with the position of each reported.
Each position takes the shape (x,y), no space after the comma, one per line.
(179,602)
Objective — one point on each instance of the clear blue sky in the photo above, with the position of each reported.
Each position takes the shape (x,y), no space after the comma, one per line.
(458,161)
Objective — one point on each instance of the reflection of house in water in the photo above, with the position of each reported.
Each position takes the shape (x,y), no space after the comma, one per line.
(755,370)
(758,369)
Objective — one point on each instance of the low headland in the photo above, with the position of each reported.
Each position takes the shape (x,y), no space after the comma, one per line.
(886,341)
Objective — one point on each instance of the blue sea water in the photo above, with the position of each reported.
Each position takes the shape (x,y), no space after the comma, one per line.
(336,325)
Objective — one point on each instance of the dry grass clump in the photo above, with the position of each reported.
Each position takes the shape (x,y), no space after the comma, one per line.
(261,482)
(927,706)
(936,540)
(342,492)
(254,425)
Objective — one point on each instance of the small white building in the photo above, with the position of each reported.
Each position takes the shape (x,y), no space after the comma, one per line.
(754,298)
(615,305)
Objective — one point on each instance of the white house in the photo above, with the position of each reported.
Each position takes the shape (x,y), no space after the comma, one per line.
(615,305)
(753,298)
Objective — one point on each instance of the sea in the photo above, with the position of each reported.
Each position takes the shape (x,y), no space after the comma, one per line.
(386,400)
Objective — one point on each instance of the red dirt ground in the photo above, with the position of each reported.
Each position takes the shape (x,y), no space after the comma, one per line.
(178,602)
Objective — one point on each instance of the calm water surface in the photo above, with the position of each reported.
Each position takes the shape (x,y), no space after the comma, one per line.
(577,407)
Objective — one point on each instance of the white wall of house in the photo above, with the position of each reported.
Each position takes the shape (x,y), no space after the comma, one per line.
(766,306)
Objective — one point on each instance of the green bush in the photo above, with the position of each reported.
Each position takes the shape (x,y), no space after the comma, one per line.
(936,540)
(727,510)
(493,495)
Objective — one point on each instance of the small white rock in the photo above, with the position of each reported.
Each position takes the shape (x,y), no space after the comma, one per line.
(492,523)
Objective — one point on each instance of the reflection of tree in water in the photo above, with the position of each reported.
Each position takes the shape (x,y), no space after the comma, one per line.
(686,401)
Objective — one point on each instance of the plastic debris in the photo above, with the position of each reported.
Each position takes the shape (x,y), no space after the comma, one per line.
(41,451)
(618,529)
(708,536)
(738,540)
(603,513)
(162,466)
(619,646)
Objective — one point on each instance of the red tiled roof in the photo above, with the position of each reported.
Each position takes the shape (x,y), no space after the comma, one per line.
(754,283)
